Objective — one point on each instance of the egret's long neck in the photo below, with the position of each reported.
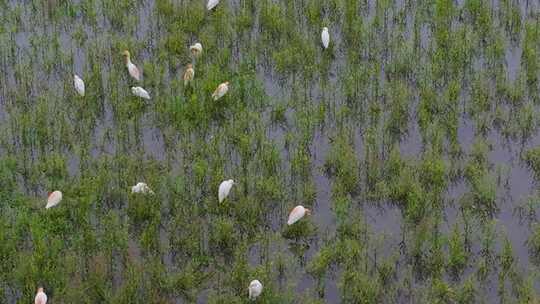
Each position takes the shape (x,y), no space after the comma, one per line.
(128,61)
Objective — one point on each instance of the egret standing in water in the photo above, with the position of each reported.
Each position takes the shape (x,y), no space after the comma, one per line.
(141,188)
(140,92)
(132,69)
(79,85)
(255,289)
(53,199)
(297,213)
(211,4)
(221,90)
(189,73)
(325,37)
(224,189)
(41,297)
(196,49)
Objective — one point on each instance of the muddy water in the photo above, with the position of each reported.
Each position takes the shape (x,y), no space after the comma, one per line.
(384,219)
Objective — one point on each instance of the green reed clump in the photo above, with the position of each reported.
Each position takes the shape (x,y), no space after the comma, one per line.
(435,259)
(510,14)
(301,230)
(479,14)
(532,159)
(482,197)
(297,56)
(458,255)
(321,263)
(358,287)
(528,207)
(407,191)
(506,266)
(433,173)
(272,21)
(534,244)
(186,282)
(527,124)
(399,110)
(530,56)
(143,208)
(342,164)
(355,31)
(523,287)
(486,259)
(466,293)
(116,13)
(222,236)
(351,251)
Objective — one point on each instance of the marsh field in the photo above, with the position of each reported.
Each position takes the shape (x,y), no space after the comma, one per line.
(414,138)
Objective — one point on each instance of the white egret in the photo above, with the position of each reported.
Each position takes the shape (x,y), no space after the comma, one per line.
(41,297)
(224,189)
(297,213)
(140,92)
(132,69)
(53,199)
(189,73)
(141,188)
(325,37)
(79,84)
(211,4)
(255,289)
(196,49)
(221,90)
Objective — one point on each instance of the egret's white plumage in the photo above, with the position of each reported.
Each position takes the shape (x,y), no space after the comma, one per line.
(140,92)
(211,4)
(141,188)
(132,69)
(189,73)
(221,90)
(79,84)
(325,37)
(41,297)
(297,213)
(196,49)
(255,289)
(224,189)
(53,199)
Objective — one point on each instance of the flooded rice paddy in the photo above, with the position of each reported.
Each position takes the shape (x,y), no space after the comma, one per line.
(414,139)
